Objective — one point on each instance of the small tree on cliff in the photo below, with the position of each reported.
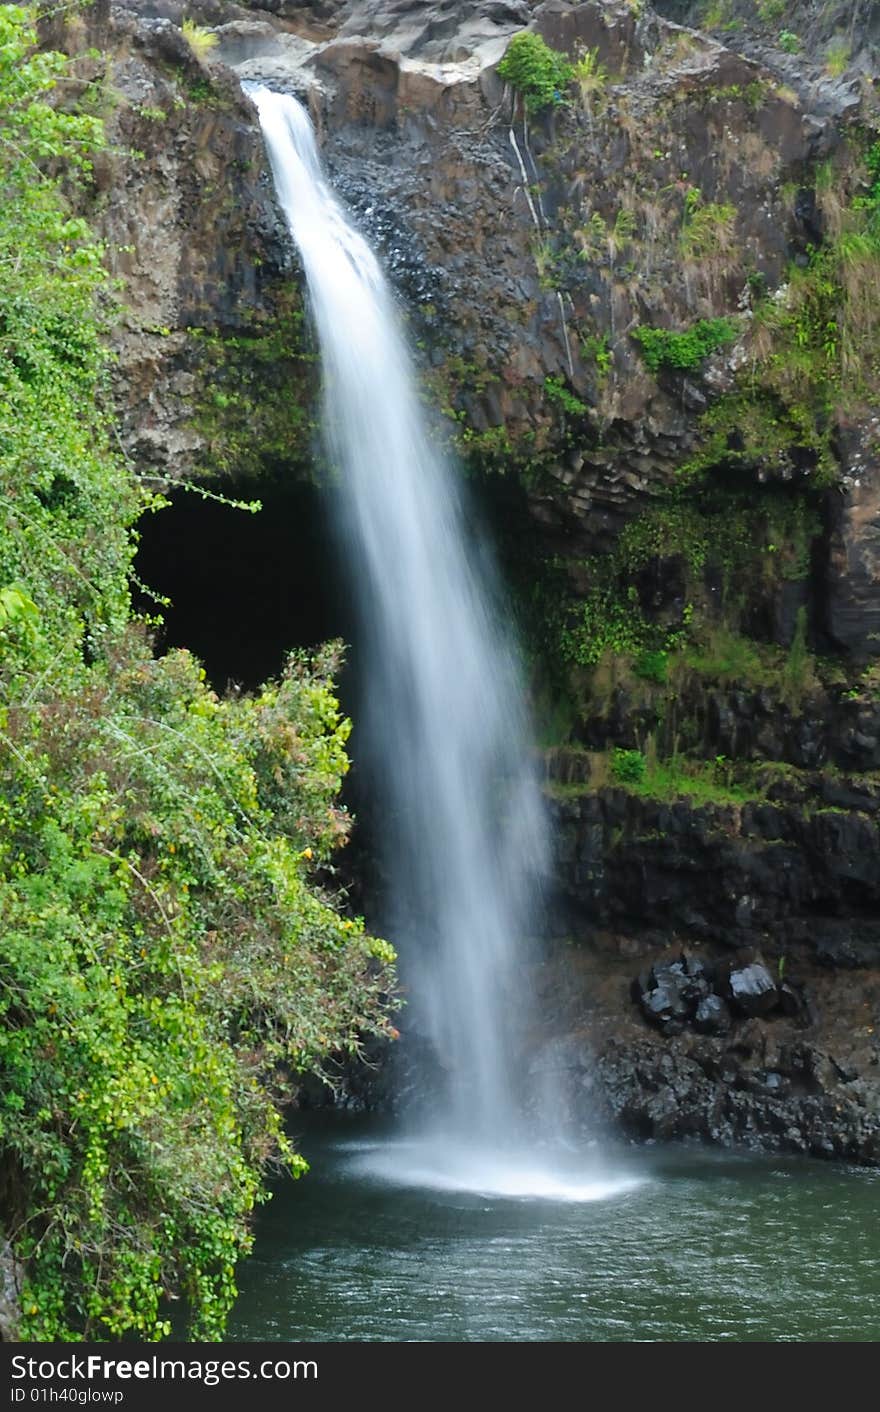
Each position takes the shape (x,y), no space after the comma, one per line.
(538,74)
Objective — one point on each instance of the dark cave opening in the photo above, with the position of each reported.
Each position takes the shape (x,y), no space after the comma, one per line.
(245,588)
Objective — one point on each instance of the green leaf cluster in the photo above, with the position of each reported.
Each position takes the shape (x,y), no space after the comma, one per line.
(685,350)
(628,766)
(168,964)
(564,398)
(535,71)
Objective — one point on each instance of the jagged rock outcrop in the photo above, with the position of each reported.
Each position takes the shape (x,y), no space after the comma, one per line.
(523,253)
(793,877)
(418,136)
(798,1079)
(183,200)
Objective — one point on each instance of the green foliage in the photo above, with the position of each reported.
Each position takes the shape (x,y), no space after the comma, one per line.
(726,656)
(815,342)
(714,14)
(684,351)
(16,611)
(789,41)
(545,262)
(652,666)
(708,229)
(628,766)
(606,619)
(592,237)
(596,348)
(200,40)
(260,388)
(837,57)
(745,540)
(770,10)
(167,961)
(590,77)
(65,540)
(201,92)
(151,114)
(539,74)
(488,450)
(450,386)
(701,781)
(759,427)
(870,202)
(557,392)
(753,94)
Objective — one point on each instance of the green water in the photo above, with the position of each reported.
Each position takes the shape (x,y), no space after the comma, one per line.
(699,1246)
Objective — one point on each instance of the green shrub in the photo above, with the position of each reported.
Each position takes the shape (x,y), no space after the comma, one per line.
(539,74)
(607,619)
(168,966)
(628,766)
(652,666)
(595,347)
(684,351)
(557,391)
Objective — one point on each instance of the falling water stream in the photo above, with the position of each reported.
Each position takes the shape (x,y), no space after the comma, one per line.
(477,1226)
(444,711)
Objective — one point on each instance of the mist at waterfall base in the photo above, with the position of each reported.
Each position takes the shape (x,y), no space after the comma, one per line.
(447,738)
(715,1246)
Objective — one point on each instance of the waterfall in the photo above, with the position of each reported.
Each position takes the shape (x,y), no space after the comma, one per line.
(444,710)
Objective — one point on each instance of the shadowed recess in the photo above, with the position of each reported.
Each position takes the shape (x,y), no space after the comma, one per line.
(244,588)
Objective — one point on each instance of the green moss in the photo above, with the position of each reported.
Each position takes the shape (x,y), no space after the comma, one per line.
(753,94)
(701,781)
(715,781)
(747,542)
(726,656)
(259,392)
(652,666)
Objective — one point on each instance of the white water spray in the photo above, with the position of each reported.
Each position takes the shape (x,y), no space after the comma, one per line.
(444,710)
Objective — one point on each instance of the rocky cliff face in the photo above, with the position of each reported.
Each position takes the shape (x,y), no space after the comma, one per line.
(213,369)
(652,308)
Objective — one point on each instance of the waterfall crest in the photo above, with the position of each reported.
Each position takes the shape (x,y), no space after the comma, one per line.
(444,711)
